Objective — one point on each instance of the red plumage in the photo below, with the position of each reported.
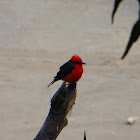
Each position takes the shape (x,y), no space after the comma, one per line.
(71,71)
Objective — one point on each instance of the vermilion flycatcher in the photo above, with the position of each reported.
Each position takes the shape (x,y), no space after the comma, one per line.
(71,71)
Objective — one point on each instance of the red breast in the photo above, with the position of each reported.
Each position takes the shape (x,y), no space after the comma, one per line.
(77,72)
(75,75)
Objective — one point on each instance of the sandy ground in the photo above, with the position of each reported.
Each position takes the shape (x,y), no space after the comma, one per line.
(38,36)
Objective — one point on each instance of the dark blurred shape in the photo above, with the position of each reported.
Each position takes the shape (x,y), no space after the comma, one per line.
(85,135)
(116,5)
(135,33)
(135,30)
(133,37)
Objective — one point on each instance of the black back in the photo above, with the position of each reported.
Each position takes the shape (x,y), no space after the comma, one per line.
(64,70)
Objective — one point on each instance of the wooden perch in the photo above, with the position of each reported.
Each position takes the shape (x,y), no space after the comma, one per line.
(61,103)
(135,33)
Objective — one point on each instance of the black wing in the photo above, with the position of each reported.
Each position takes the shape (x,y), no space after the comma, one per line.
(64,70)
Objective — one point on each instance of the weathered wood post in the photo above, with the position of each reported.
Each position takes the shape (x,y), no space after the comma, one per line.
(61,103)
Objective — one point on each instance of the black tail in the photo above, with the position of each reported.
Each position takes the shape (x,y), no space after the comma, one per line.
(51,83)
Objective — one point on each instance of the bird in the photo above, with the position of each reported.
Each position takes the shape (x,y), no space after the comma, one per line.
(71,71)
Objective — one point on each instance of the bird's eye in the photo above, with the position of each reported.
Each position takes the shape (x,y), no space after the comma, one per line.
(77,63)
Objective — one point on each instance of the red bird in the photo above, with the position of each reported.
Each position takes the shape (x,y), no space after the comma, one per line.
(71,71)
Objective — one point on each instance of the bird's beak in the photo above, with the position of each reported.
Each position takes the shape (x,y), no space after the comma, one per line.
(83,63)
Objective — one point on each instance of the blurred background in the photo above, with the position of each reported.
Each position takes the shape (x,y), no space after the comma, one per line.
(38,36)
